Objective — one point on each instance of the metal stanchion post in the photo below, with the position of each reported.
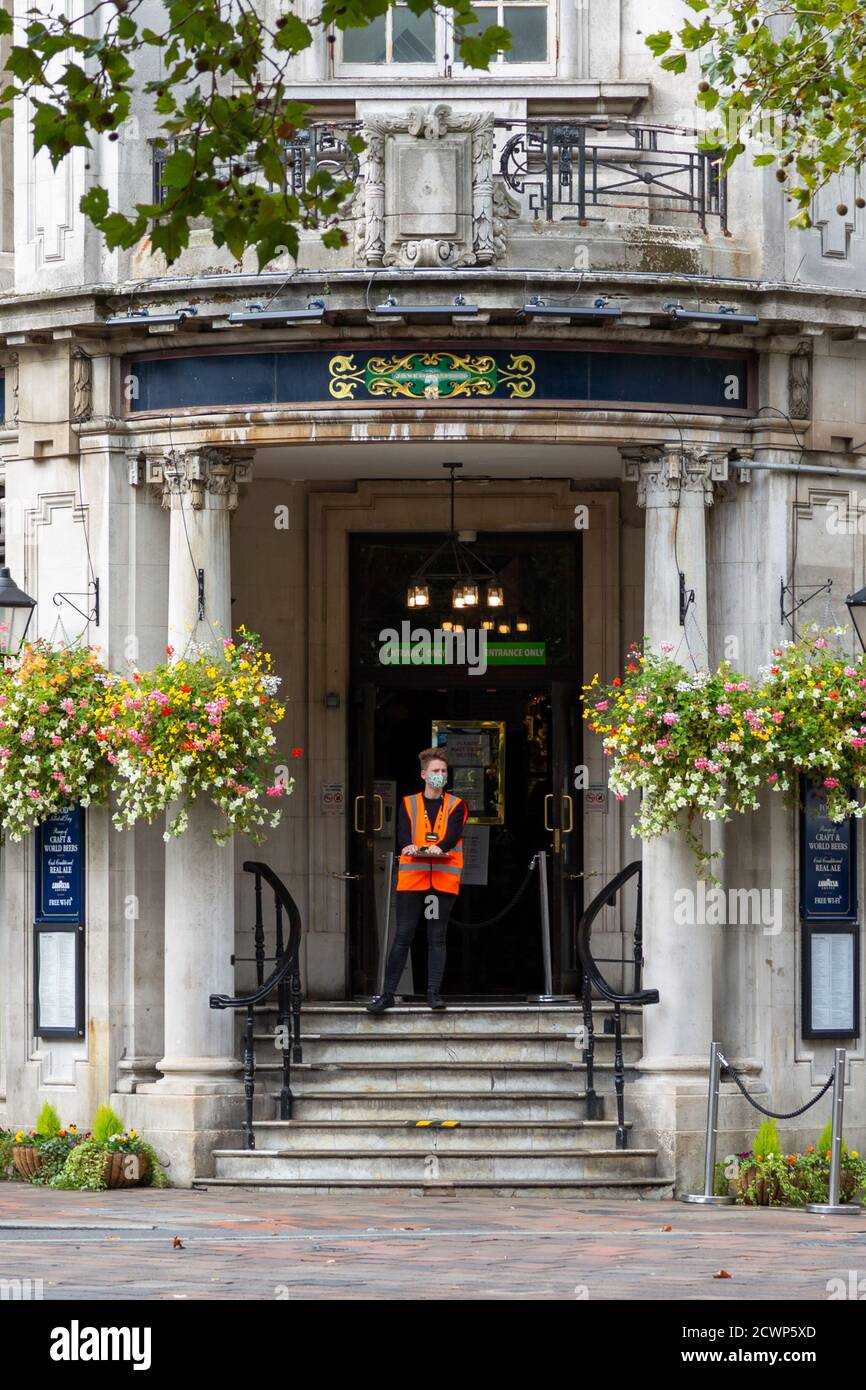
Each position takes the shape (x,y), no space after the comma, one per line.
(833,1207)
(707,1197)
(548,997)
(389,884)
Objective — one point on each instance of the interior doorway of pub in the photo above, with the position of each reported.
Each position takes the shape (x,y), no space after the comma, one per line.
(512,734)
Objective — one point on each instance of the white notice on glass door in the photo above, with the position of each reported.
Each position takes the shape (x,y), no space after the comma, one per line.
(56,979)
(832,981)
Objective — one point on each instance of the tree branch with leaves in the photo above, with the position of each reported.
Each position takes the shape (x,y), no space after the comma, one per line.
(790,74)
(222,110)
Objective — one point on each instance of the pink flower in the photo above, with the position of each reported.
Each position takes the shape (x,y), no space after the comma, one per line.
(601,705)
(82,703)
(858,742)
(820,641)
(43,708)
(830,782)
(662,742)
(27,736)
(849,671)
(714,767)
(723,709)
(33,794)
(669,717)
(275,790)
(666,646)
(112,757)
(773,777)
(56,740)
(701,763)
(619,796)
(778,716)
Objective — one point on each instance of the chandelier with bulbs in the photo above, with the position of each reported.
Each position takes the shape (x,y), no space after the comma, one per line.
(474,586)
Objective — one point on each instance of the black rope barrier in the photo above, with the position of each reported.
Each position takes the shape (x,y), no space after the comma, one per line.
(776,1114)
(491,921)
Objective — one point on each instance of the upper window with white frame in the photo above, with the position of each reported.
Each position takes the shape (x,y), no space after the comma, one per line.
(423,45)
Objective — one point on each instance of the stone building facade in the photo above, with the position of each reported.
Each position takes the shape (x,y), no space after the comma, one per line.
(727,446)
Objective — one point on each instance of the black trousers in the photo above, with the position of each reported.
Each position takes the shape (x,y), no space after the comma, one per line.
(410,907)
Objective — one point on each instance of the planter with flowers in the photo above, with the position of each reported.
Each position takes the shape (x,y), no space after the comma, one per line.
(198,729)
(767,1176)
(111,1157)
(40,1154)
(50,751)
(701,746)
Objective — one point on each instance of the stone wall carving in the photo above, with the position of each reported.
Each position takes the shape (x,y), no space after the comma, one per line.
(82,385)
(800,383)
(429,197)
(12,389)
(205,474)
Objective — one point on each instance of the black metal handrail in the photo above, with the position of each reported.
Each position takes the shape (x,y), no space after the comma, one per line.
(564,168)
(285,979)
(593,979)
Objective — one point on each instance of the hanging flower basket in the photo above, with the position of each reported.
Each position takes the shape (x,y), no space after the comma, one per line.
(199,729)
(702,745)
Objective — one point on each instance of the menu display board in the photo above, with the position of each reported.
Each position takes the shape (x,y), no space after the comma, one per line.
(828,862)
(58,933)
(831,980)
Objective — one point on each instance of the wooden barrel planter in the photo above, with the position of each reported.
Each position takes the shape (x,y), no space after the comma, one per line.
(126,1170)
(27,1161)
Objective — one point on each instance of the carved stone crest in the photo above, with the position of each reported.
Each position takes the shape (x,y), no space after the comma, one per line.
(429,188)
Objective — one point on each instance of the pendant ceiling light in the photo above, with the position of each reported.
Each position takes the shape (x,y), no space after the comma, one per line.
(473,584)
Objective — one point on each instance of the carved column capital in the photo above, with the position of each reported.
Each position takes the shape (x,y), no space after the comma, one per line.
(207,476)
(665,476)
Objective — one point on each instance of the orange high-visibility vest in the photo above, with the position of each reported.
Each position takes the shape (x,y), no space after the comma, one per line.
(414,877)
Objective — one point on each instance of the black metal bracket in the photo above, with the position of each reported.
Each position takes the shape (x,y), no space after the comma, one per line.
(201,596)
(790,589)
(687,598)
(92,593)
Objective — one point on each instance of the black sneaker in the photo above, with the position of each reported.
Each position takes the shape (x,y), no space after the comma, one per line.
(435,1001)
(380,1003)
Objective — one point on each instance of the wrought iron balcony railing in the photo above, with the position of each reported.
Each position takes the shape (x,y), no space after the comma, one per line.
(565,169)
(561,171)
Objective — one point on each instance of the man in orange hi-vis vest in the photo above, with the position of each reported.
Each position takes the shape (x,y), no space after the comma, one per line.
(430,831)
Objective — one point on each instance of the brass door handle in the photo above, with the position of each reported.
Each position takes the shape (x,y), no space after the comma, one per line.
(357,808)
(380,809)
(567,801)
(548,802)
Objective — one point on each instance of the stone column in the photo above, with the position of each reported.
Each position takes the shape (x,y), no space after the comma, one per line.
(200,489)
(197,1104)
(675,489)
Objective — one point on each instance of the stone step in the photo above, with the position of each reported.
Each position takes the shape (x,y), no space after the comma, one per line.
(512,1078)
(383,1136)
(457,1018)
(601,1189)
(440,1165)
(426,1105)
(433,1046)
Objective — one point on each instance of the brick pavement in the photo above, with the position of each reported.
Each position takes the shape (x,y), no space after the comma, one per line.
(244,1244)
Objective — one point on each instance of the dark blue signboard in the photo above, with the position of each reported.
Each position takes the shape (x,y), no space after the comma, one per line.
(828,862)
(60,867)
(416,375)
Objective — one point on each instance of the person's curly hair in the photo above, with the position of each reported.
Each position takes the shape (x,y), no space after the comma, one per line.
(429,754)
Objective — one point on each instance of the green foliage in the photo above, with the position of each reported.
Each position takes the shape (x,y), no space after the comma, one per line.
(7,1139)
(825,1140)
(222,91)
(85,1166)
(791,73)
(106,1124)
(48,1124)
(766,1140)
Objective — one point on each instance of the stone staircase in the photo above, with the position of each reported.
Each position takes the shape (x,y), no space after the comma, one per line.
(511,1075)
